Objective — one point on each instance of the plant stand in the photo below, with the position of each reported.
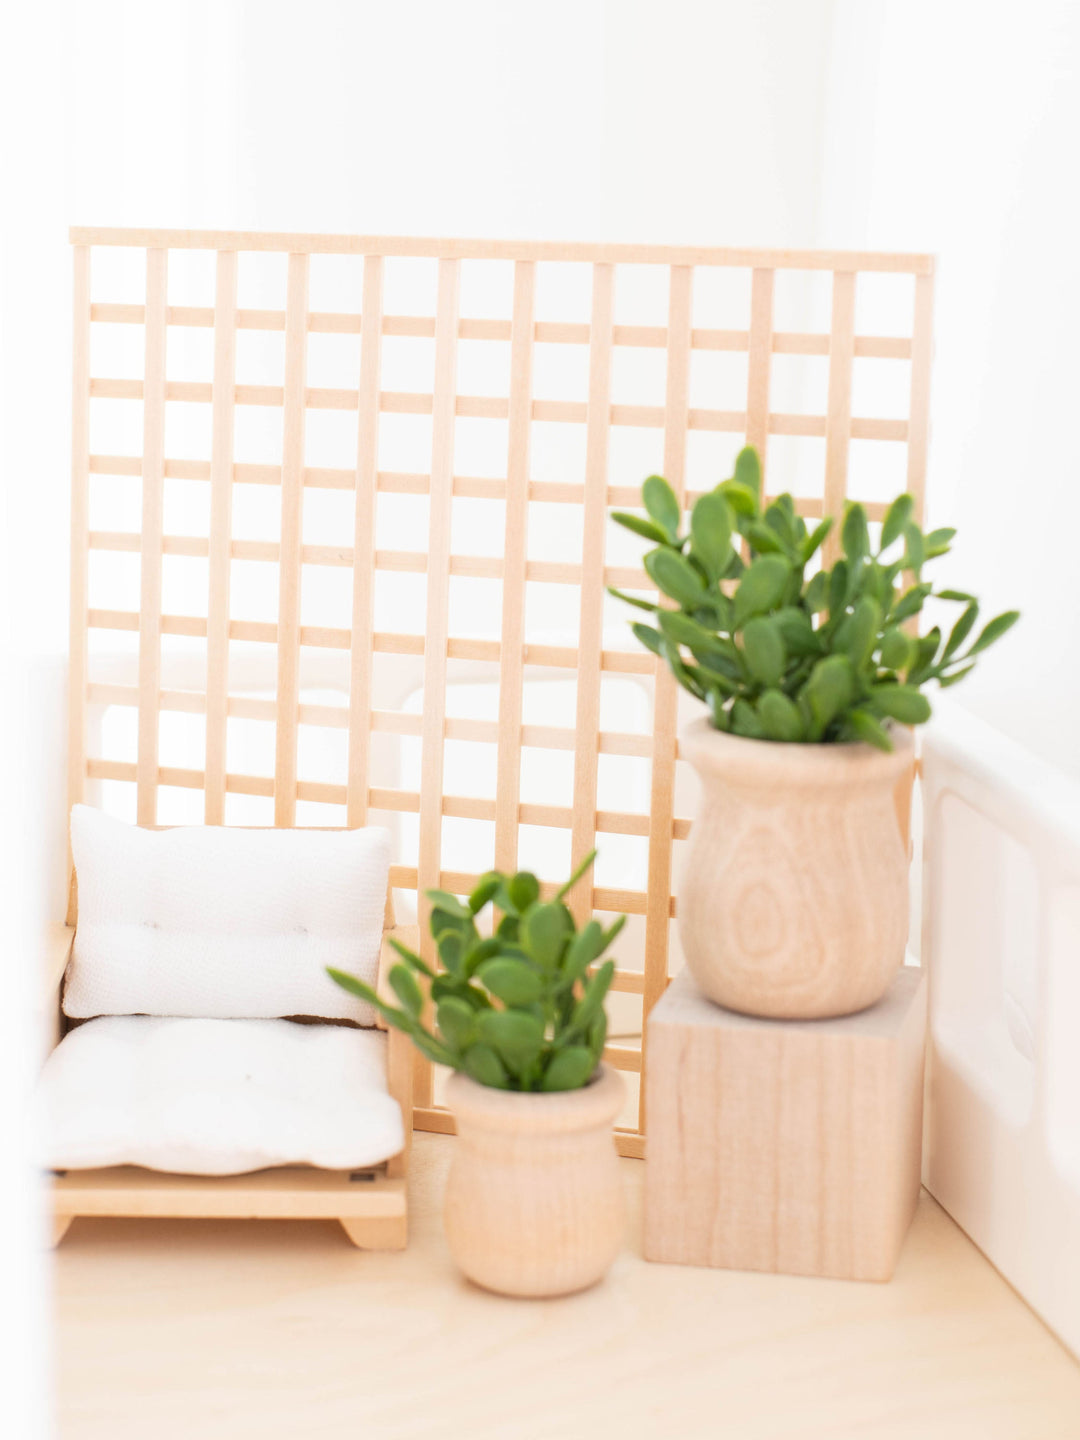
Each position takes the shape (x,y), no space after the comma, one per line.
(787,1146)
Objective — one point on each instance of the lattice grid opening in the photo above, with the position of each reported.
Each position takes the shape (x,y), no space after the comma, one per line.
(340,534)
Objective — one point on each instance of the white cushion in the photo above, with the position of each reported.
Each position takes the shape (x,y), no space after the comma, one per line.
(217,1097)
(219,922)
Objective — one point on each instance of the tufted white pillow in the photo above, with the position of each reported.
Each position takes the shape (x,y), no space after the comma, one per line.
(216,1097)
(223,923)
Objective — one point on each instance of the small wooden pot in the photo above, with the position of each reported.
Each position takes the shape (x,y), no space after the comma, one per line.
(794,900)
(534,1200)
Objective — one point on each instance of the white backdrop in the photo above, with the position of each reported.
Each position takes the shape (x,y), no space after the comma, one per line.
(897,124)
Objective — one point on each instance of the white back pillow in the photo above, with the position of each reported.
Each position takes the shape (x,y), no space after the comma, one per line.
(221,923)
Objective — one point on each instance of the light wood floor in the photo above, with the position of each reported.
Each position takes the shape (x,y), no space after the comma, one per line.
(210,1330)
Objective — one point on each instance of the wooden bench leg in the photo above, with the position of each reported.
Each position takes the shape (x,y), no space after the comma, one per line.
(383,1233)
(60,1225)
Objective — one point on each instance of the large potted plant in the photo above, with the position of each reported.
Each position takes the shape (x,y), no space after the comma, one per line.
(534,1201)
(794,899)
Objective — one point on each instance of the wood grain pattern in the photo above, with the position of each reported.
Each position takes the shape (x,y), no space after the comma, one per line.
(219,543)
(292,493)
(590,633)
(790,1146)
(153,500)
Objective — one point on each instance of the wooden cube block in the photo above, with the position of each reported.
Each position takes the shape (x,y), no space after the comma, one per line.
(785,1145)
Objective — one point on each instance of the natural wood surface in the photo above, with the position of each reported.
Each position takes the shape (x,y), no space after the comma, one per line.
(784,1145)
(270,1331)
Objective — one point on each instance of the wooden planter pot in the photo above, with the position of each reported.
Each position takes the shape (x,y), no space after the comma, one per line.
(534,1202)
(794,901)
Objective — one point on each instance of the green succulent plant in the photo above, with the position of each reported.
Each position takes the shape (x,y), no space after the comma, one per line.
(778,656)
(520,1009)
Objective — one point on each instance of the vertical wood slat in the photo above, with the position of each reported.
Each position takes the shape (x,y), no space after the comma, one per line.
(363,596)
(759,364)
(436,630)
(512,642)
(666,695)
(590,635)
(221,470)
(838,418)
(80,527)
(919,405)
(150,549)
(292,500)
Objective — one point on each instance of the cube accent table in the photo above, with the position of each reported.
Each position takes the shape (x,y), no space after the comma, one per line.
(785,1145)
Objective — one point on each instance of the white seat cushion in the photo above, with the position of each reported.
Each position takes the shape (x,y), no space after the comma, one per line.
(217,1097)
(223,923)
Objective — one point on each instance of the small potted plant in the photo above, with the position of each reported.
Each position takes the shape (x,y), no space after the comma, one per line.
(534,1201)
(794,898)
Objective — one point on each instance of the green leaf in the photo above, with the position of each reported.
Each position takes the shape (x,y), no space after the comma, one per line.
(910,603)
(829,691)
(660,501)
(915,555)
(569,1069)
(452,947)
(543,933)
(763,646)
(481,951)
(523,889)
(483,1065)
(780,717)
(994,630)
(798,633)
(748,470)
(854,536)
(403,983)
(954,595)
(591,1001)
(410,957)
(867,728)
(961,630)
(860,631)
(680,629)
(838,587)
(640,526)
(516,1036)
(744,502)
(946,680)
(579,870)
(634,600)
(355,986)
(485,891)
(676,577)
(901,702)
(586,946)
(710,533)
(937,542)
(688,676)
(816,595)
(764,540)
(898,649)
(456,1020)
(650,638)
(746,722)
(896,519)
(761,587)
(443,900)
(815,539)
(511,981)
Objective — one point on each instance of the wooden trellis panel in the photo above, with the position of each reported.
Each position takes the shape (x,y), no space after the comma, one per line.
(510,651)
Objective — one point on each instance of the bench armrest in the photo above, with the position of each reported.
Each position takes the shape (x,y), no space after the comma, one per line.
(55,953)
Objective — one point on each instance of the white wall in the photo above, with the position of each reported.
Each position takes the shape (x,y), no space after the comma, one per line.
(956,128)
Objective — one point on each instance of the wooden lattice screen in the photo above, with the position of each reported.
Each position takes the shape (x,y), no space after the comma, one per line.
(513,655)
